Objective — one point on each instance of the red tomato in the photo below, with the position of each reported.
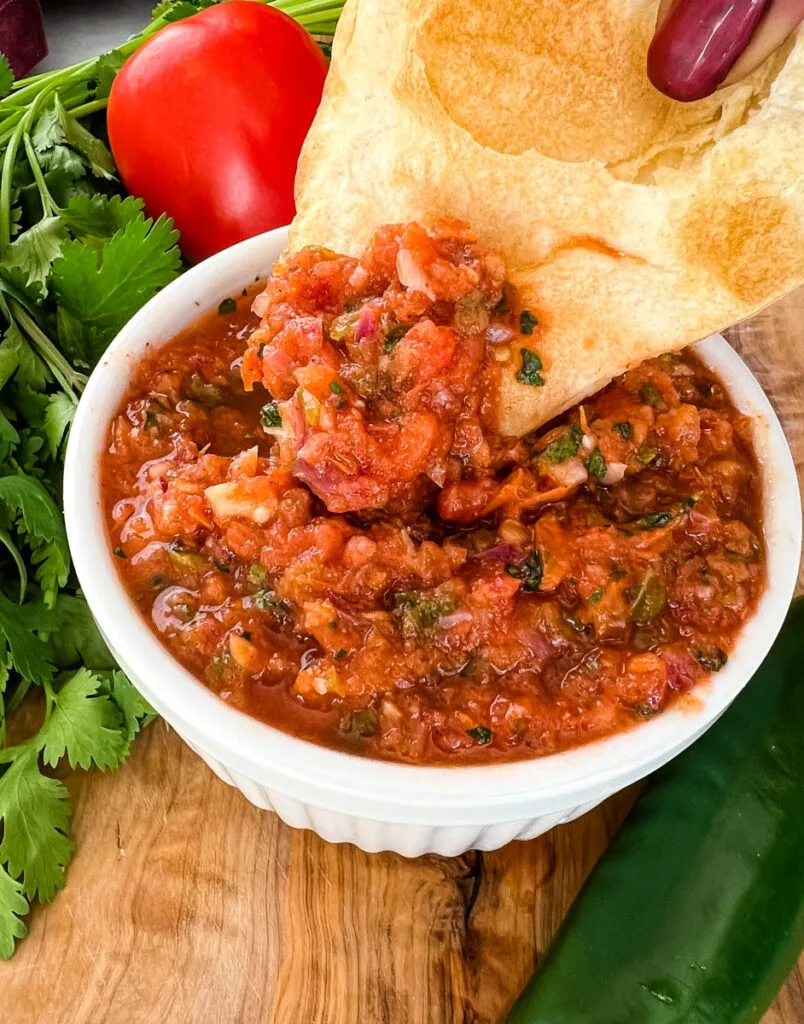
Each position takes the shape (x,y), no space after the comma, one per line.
(206,121)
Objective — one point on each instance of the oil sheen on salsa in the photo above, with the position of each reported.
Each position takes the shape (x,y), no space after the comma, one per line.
(312,507)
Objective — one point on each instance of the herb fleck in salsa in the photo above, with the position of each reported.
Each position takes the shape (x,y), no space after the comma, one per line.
(316,514)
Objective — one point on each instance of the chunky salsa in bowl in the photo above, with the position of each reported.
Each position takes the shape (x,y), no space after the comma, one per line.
(313,509)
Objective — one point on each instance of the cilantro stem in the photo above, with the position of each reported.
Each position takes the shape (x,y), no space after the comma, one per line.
(49,207)
(9,159)
(17,697)
(30,88)
(88,108)
(71,381)
(13,550)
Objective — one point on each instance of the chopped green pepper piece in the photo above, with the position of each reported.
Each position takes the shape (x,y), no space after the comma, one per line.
(184,560)
(336,388)
(650,395)
(480,734)
(596,595)
(257,574)
(227,306)
(649,600)
(645,454)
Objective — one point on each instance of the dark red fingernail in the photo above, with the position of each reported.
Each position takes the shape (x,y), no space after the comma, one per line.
(698,44)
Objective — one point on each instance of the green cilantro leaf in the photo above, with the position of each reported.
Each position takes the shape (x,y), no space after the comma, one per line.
(64,186)
(64,162)
(226,307)
(650,395)
(135,709)
(177,10)
(421,611)
(565,447)
(528,322)
(713,660)
(75,637)
(105,288)
(596,464)
(83,725)
(33,252)
(393,337)
(38,519)
(13,906)
(47,132)
(531,365)
(623,429)
(58,417)
(18,359)
(74,337)
(48,141)
(480,734)
(105,72)
(654,520)
(6,664)
(270,415)
(35,812)
(530,571)
(6,76)
(9,437)
(95,152)
(32,656)
(100,216)
(30,405)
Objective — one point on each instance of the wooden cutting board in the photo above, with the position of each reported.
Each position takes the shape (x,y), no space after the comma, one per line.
(185,904)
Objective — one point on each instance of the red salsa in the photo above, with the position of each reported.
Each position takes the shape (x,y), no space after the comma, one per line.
(311,505)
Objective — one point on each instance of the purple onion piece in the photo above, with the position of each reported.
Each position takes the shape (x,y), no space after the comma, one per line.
(502,553)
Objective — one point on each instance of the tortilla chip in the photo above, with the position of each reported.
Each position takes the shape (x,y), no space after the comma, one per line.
(632,224)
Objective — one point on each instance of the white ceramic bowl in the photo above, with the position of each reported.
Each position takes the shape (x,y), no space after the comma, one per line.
(378,805)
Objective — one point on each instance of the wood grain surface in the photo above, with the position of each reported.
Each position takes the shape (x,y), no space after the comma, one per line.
(185,904)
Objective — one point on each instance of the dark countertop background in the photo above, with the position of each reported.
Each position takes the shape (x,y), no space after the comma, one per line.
(77,29)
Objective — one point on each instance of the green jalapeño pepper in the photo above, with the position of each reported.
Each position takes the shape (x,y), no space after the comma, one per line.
(695,914)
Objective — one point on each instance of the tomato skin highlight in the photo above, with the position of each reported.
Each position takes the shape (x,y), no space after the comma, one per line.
(207,119)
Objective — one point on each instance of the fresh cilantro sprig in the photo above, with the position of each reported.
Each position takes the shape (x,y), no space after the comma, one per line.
(77,259)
